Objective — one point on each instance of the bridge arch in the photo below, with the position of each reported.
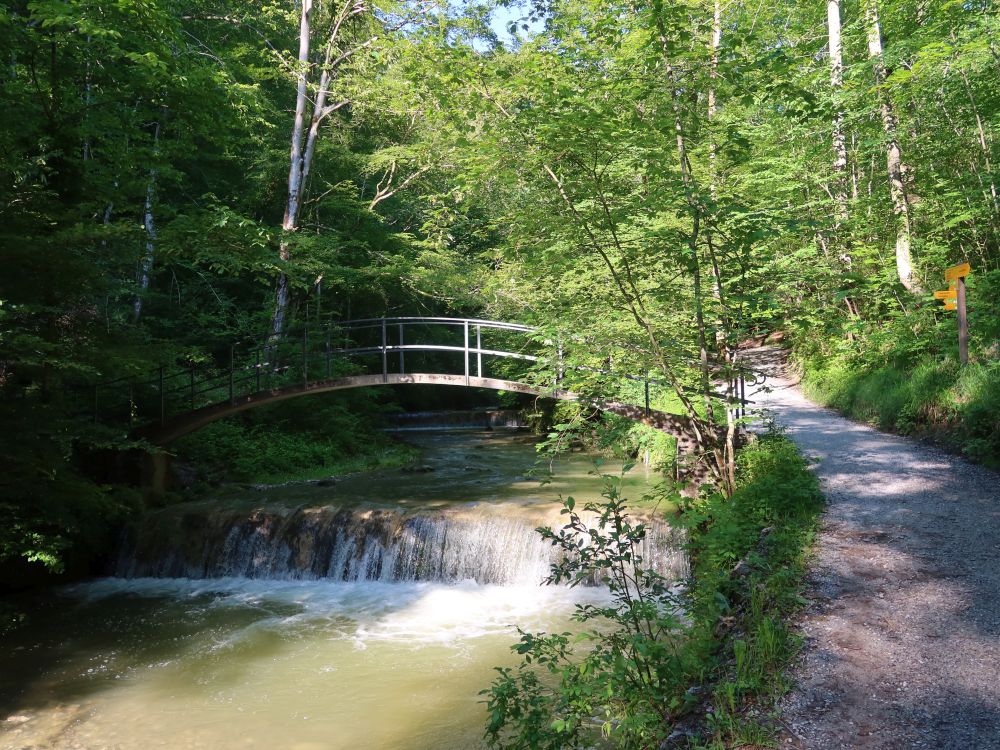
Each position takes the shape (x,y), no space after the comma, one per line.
(183,424)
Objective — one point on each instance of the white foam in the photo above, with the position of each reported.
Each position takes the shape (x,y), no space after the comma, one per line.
(414,613)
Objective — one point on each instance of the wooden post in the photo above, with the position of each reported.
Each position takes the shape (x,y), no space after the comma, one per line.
(963,324)
(954,299)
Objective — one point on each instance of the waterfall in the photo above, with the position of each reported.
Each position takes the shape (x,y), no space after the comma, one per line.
(487,543)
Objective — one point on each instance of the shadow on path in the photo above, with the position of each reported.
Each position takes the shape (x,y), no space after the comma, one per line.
(903,628)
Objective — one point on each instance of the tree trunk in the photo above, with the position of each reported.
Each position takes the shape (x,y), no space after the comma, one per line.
(149,224)
(304,141)
(714,75)
(894,156)
(290,223)
(836,86)
(723,462)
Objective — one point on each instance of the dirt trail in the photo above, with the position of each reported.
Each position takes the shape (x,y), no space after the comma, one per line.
(902,633)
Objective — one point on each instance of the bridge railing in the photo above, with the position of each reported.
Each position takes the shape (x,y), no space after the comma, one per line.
(310,354)
(388,345)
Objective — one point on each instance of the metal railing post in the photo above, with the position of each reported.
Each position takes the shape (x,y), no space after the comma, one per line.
(258,370)
(328,353)
(163,402)
(402,361)
(191,383)
(479,351)
(646,385)
(232,372)
(465,328)
(305,355)
(743,395)
(385,354)
(131,404)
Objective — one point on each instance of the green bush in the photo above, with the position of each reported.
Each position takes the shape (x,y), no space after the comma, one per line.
(316,436)
(625,681)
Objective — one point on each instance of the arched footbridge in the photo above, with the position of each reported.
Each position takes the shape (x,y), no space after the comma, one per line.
(177,399)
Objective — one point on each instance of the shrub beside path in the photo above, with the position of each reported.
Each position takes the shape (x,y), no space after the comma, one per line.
(902,630)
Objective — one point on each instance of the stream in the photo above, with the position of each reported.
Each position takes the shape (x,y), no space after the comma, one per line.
(363,613)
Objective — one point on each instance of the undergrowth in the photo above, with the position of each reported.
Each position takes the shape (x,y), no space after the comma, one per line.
(958,407)
(701,666)
(329,435)
(748,565)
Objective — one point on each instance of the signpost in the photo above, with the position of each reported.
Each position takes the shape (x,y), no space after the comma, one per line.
(954,299)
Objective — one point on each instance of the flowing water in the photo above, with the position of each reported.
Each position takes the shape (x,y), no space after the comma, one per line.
(364,613)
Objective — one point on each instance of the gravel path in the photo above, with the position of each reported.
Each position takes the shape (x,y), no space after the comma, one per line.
(902,632)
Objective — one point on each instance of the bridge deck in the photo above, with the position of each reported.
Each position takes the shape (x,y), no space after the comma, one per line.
(183,424)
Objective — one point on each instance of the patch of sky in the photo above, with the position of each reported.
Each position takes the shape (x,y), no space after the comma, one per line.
(512,22)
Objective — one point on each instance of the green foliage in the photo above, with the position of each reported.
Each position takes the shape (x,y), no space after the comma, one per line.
(630,668)
(50,513)
(626,678)
(322,437)
(955,406)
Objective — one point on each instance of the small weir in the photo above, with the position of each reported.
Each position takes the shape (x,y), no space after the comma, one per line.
(486,544)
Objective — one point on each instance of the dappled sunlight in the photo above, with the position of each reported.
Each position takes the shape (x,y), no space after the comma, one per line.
(904,626)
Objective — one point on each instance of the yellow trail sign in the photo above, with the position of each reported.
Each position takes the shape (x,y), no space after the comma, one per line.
(950,305)
(946,294)
(957,272)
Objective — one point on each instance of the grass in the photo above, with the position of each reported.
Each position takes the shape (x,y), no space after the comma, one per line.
(957,407)
(743,621)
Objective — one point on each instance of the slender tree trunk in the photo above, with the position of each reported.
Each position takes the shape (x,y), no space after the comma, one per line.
(854,167)
(290,222)
(149,224)
(723,463)
(725,322)
(836,86)
(714,45)
(303,147)
(898,171)
(88,101)
(983,142)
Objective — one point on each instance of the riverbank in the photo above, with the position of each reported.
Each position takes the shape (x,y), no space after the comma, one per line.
(706,678)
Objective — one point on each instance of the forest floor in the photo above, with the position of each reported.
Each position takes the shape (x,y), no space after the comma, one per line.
(902,630)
